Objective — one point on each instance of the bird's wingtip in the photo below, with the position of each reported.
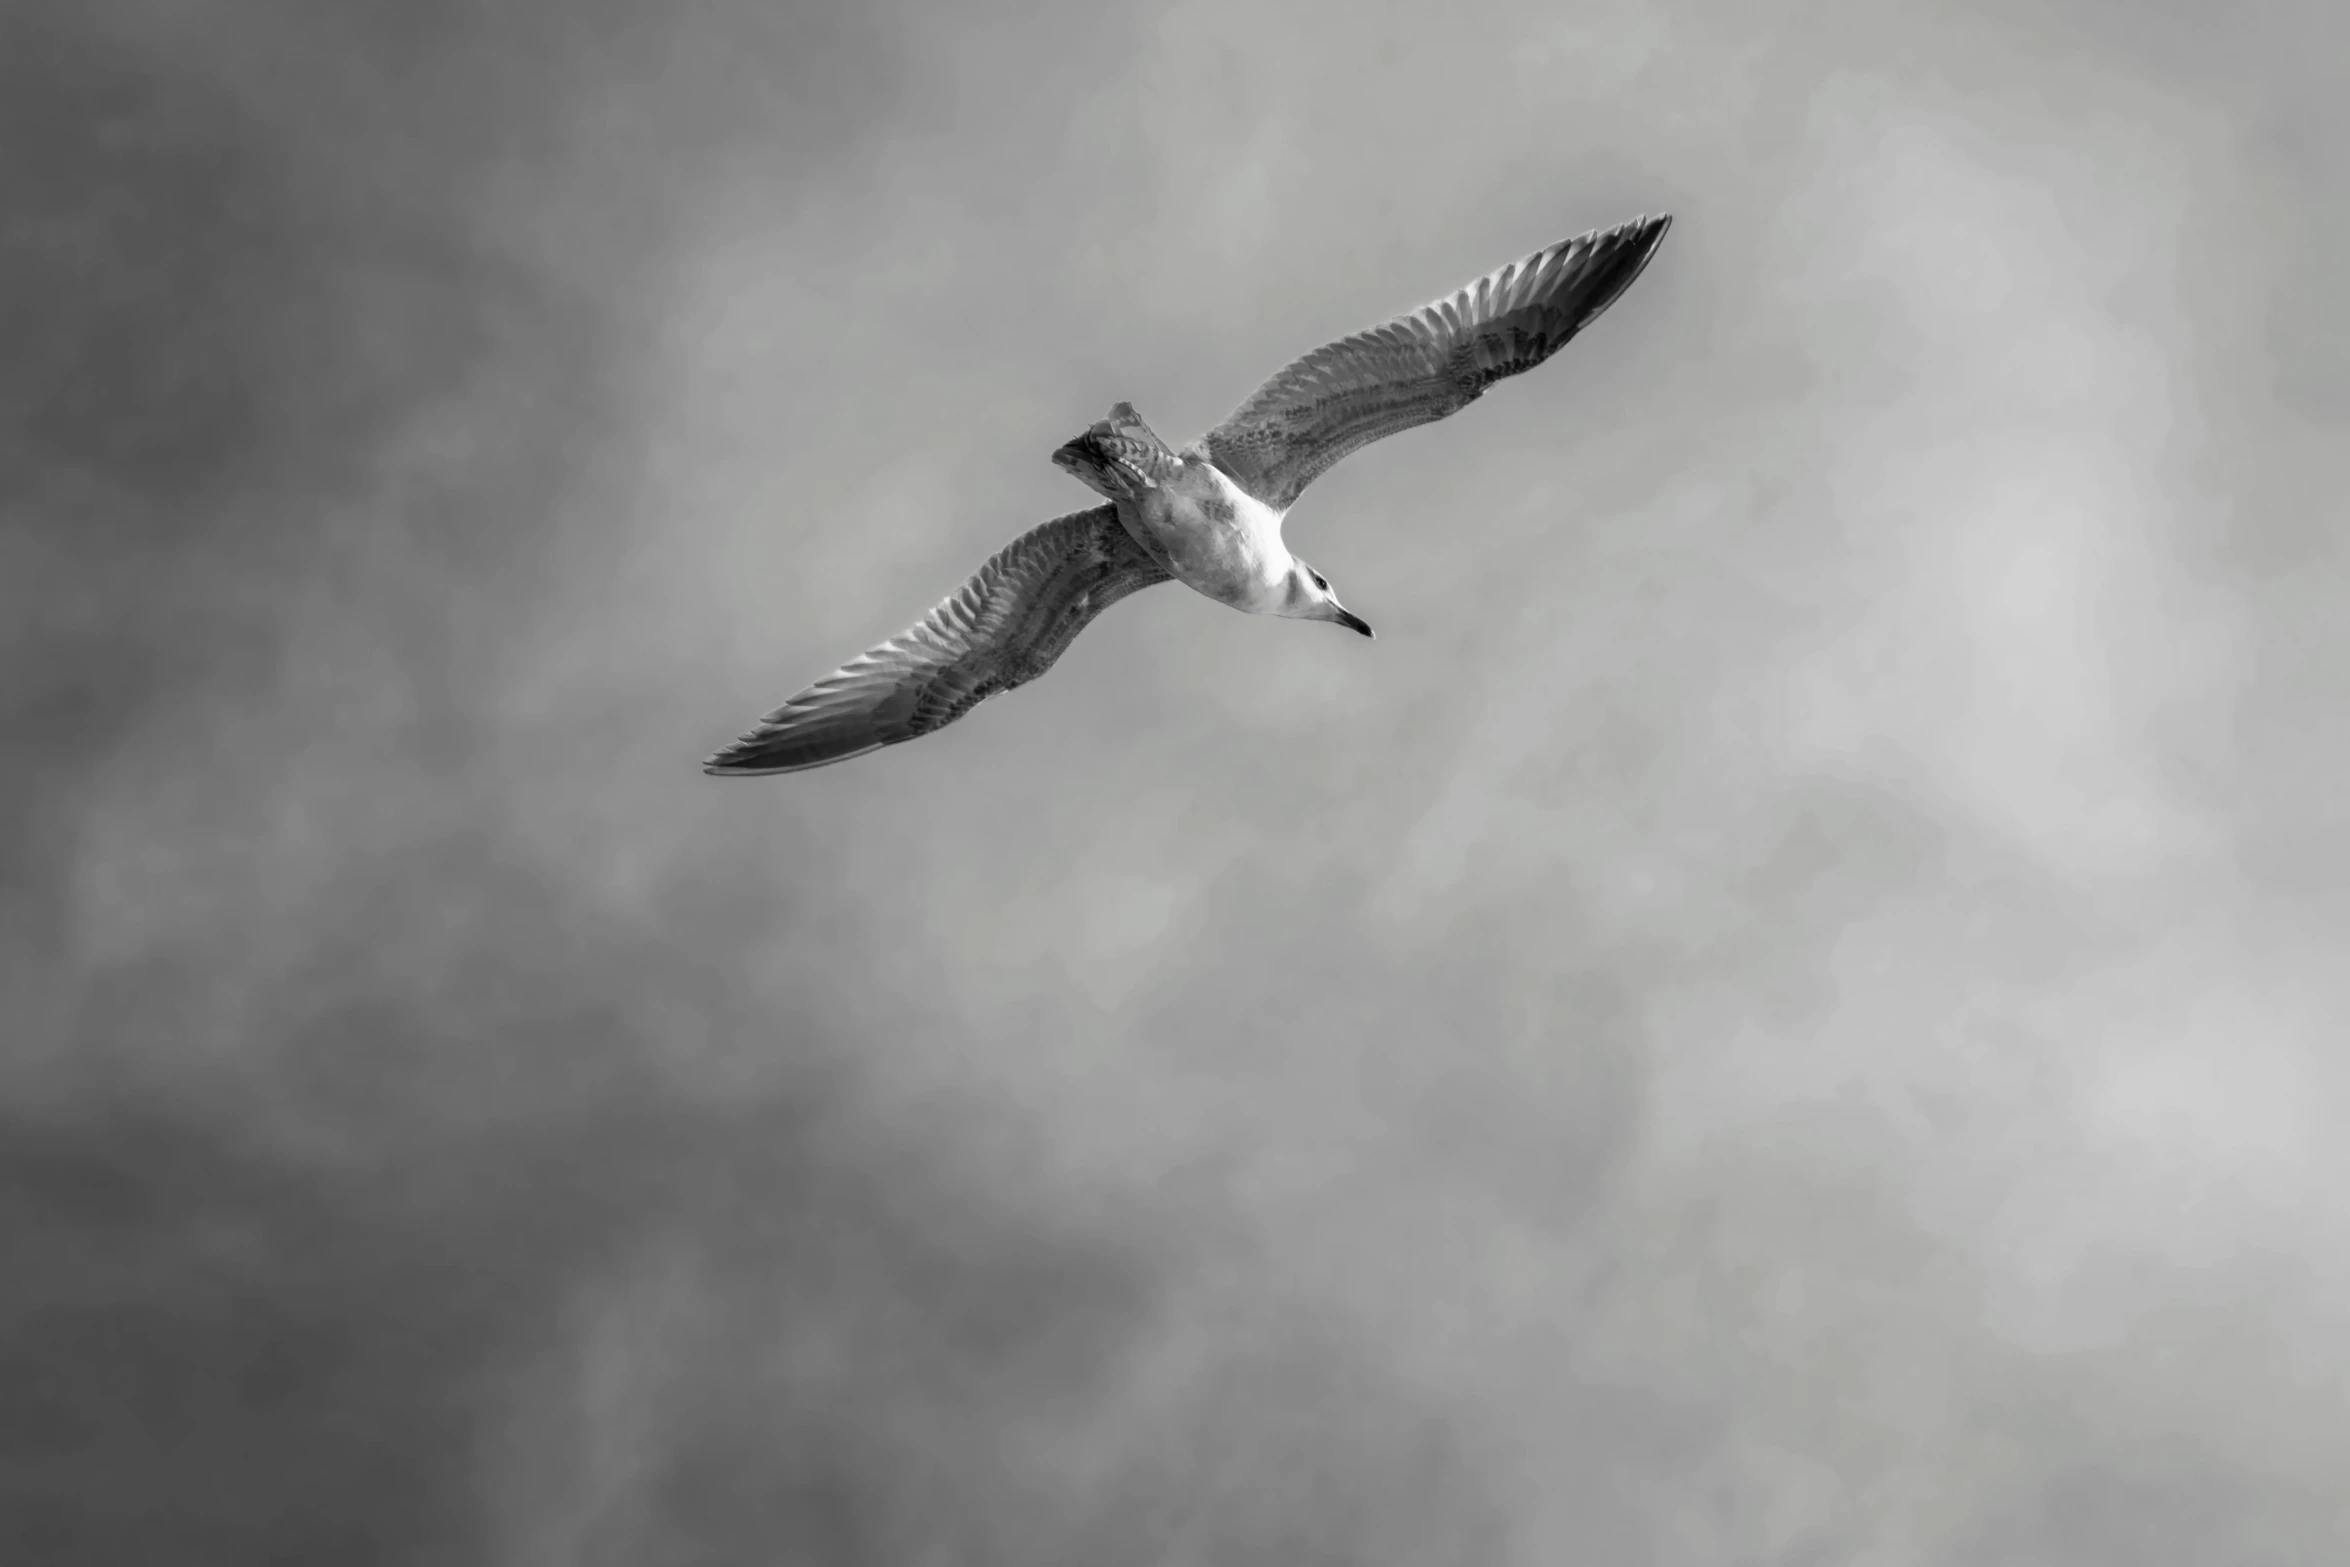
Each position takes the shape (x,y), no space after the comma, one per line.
(760,756)
(733,761)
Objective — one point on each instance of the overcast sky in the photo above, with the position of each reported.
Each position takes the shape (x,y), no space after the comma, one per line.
(1789,1009)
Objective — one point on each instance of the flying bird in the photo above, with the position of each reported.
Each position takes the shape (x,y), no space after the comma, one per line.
(1208,516)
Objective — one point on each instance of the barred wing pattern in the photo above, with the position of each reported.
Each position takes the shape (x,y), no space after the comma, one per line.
(1006,627)
(1420,367)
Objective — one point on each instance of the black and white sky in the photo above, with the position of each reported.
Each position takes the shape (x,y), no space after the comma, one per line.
(1789,1009)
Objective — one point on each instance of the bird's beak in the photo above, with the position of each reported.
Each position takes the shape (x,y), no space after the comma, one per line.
(1352,621)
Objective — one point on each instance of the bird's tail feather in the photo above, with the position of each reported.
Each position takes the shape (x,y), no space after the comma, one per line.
(1120,456)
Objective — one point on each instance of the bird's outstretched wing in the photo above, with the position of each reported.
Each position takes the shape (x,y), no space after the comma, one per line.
(1420,367)
(1005,628)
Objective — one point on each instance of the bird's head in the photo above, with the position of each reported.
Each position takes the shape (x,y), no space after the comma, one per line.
(1307,596)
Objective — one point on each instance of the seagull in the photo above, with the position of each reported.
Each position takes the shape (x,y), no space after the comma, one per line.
(1208,516)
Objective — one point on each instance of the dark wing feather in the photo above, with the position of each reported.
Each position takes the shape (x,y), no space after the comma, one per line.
(1420,367)
(1005,628)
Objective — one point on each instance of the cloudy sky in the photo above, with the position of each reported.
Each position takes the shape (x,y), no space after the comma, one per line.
(1787,1010)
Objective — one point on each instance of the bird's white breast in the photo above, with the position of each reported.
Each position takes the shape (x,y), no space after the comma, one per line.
(1217,537)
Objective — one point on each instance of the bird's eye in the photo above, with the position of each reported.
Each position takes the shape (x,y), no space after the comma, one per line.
(1320,582)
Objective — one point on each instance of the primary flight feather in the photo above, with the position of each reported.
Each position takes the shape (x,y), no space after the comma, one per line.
(1208,516)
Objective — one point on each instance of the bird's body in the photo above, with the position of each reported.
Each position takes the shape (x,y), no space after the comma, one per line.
(1213,535)
(1187,514)
(1208,516)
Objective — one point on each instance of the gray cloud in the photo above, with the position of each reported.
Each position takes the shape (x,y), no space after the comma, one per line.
(1778,1014)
